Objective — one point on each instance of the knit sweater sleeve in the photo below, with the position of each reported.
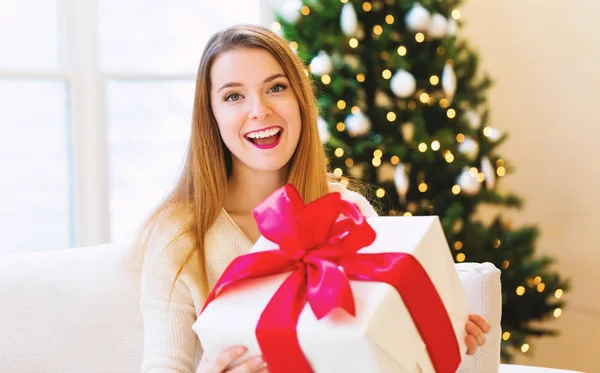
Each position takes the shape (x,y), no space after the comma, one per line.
(363,204)
(170,344)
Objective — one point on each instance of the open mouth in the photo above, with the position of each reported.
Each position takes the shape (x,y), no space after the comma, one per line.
(266,138)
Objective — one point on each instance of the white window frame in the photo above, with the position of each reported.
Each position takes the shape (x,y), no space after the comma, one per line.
(88,113)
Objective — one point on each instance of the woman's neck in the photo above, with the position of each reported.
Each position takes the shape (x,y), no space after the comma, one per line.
(247,188)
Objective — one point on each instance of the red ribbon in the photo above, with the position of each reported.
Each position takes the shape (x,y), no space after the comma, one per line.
(319,250)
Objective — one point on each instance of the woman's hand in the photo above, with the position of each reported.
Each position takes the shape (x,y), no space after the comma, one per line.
(222,362)
(476,329)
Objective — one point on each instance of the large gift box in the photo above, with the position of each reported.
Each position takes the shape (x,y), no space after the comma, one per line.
(326,290)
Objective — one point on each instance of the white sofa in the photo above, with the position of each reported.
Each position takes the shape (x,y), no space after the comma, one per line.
(77,310)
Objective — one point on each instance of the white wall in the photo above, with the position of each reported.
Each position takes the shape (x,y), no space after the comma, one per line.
(544,57)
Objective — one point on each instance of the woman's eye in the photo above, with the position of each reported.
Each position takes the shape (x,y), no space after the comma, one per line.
(232,97)
(278,88)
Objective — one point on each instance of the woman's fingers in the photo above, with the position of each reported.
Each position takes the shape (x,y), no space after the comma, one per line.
(225,358)
(481,322)
(471,344)
(254,364)
(475,331)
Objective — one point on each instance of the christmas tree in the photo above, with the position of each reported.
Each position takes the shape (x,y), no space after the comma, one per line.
(403,108)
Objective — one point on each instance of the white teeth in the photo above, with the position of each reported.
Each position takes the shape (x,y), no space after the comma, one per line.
(264,133)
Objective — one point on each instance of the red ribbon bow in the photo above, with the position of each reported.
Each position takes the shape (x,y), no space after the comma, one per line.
(320,250)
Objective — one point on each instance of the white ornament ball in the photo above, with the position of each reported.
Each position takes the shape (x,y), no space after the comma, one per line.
(290,11)
(492,133)
(348,20)
(470,148)
(324,133)
(418,18)
(408,132)
(468,183)
(403,84)
(438,27)
(321,64)
(357,124)
(473,118)
(352,61)
(401,182)
(449,81)
(383,100)
(488,172)
(452,27)
(385,172)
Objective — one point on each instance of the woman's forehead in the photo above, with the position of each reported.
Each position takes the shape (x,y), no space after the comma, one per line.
(245,66)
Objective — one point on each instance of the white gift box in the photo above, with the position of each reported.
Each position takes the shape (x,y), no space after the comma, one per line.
(381,338)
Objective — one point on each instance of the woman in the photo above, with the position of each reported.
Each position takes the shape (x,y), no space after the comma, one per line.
(254,129)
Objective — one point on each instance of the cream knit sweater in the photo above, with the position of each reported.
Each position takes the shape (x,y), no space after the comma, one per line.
(170,344)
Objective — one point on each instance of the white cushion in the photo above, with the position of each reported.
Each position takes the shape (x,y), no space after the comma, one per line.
(77,310)
(481,282)
(74,310)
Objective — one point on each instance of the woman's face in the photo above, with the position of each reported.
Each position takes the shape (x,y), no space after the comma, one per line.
(256,109)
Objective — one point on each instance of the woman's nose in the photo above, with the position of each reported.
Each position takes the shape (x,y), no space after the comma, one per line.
(260,109)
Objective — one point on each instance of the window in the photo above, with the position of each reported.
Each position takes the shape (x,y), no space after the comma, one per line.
(96,112)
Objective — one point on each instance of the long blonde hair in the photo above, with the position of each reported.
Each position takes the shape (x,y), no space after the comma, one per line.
(198,196)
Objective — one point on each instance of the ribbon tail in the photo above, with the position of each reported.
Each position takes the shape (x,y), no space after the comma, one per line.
(422,300)
(276,330)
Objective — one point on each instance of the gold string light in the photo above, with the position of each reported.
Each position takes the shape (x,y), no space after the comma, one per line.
(402,51)
(501,171)
(451,113)
(326,79)
(524,348)
(305,10)
(520,290)
(366,6)
(345,182)
(395,160)
(449,157)
(341,104)
(391,116)
(294,45)
(378,30)
(505,264)
(376,162)
(541,287)
(497,243)
(275,26)
(337,172)
(444,103)
(458,245)
(389,19)
(434,80)
(456,189)
(355,110)
(386,74)
(460,138)
(380,193)
(558,293)
(349,162)
(360,77)
(506,336)
(339,152)
(473,171)
(384,56)
(422,187)
(435,145)
(344,1)
(419,37)
(353,43)
(456,14)
(460,257)
(557,312)
(424,97)
(407,214)
(422,147)
(340,126)
(378,153)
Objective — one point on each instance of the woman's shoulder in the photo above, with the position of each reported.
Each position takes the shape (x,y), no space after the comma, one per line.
(352,196)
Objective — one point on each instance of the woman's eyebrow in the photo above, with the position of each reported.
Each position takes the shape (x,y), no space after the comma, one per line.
(236,84)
